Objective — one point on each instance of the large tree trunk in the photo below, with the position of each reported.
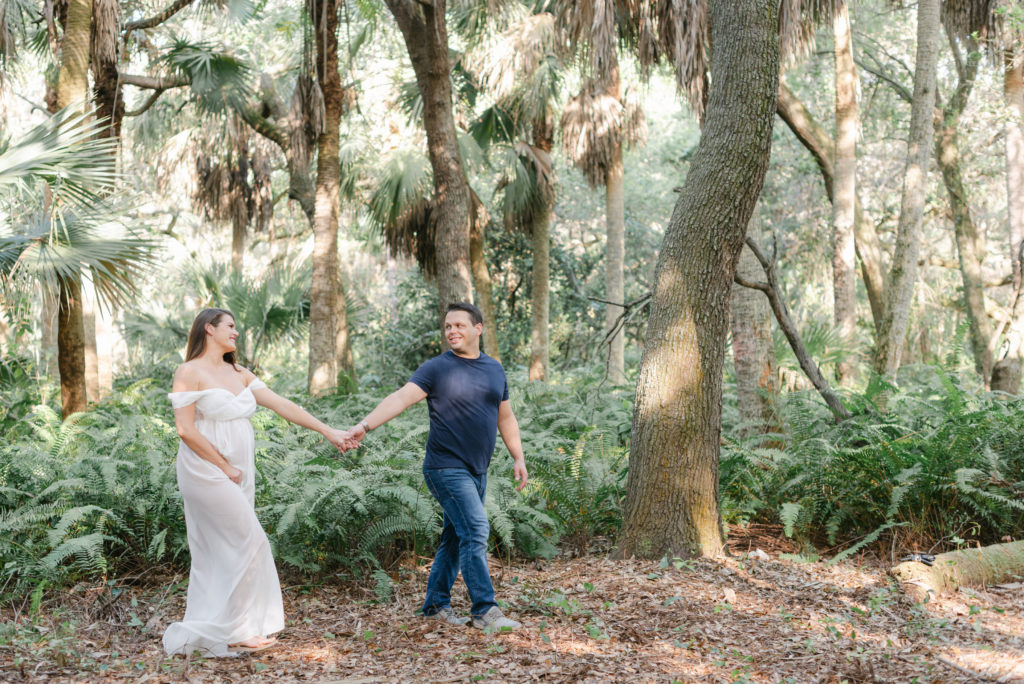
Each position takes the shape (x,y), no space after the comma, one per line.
(672,494)
(71,350)
(752,350)
(844,256)
(323,361)
(73,77)
(818,142)
(614,259)
(903,273)
(106,36)
(1013,91)
(426,39)
(970,248)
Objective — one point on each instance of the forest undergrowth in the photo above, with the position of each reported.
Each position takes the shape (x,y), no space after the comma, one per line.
(96,496)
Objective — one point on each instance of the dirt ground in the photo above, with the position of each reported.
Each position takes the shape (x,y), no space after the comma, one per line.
(585,619)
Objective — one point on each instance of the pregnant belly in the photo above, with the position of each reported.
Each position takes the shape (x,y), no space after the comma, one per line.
(232,438)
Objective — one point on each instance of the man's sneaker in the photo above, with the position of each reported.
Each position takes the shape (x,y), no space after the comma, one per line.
(448,615)
(495,621)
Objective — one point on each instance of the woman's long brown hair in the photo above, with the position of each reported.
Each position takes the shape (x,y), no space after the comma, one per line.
(197,335)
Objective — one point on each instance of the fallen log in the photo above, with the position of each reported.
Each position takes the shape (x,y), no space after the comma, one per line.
(967,567)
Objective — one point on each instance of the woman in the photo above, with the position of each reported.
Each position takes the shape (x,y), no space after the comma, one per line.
(234,598)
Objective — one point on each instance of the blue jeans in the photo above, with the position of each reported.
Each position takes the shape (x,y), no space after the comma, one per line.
(463,540)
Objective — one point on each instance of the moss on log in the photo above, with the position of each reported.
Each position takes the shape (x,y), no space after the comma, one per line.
(969,567)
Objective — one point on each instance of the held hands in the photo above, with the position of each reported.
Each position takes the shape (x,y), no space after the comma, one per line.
(341,439)
(520,474)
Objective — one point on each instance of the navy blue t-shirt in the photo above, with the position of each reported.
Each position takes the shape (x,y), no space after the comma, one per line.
(463,396)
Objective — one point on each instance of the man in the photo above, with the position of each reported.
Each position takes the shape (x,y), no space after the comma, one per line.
(467,394)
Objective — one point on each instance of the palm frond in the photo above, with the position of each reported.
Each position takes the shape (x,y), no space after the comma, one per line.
(64,152)
(219,81)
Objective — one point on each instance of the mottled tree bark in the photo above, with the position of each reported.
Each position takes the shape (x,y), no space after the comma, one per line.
(1009,367)
(672,494)
(323,361)
(343,342)
(73,76)
(106,37)
(482,279)
(970,247)
(903,273)
(71,349)
(73,88)
(426,40)
(614,259)
(818,142)
(540,344)
(752,350)
(844,190)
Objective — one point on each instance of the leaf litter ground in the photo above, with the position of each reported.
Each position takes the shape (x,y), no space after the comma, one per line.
(587,619)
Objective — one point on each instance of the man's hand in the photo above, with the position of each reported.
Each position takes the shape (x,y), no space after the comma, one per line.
(357,433)
(520,474)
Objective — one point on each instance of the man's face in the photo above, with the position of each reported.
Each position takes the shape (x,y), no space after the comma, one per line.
(462,335)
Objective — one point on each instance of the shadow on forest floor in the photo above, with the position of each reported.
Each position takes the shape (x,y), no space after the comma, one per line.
(586,619)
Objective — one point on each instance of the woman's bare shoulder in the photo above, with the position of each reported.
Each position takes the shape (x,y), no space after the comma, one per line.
(187,377)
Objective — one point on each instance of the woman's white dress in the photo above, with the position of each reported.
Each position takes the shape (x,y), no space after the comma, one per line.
(233,590)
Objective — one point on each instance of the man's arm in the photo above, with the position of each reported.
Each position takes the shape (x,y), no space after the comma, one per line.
(508,426)
(393,405)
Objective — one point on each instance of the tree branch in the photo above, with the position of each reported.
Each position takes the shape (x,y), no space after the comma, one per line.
(147,104)
(807,364)
(153,82)
(157,19)
(900,89)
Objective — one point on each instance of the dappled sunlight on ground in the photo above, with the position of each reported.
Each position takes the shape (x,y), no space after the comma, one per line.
(585,619)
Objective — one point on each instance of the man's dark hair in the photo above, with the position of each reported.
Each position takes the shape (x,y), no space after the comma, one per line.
(474,313)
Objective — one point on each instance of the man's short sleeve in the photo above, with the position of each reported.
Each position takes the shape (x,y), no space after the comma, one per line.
(424,376)
(504,392)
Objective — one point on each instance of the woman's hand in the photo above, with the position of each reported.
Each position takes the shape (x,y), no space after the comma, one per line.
(341,439)
(233,473)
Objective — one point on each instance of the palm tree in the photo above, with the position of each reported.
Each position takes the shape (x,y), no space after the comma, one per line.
(424,29)
(77,238)
(596,124)
(521,70)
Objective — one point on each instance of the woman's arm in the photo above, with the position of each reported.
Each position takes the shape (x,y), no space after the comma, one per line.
(294,413)
(186,380)
(390,407)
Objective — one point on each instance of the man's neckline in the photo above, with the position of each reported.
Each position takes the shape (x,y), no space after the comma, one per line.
(478,356)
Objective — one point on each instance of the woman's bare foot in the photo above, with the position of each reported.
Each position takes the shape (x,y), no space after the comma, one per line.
(254,644)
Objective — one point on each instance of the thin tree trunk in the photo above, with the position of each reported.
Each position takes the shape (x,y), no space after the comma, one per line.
(323,360)
(482,282)
(844,256)
(970,248)
(672,493)
(752,350)
(71,350)
(818,142)
(426,40)
(239,231)
(903,273)
(614,259)
(540,345)
(106,344)
(1009,375)
(343,343)
(92,378)
(73,88)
